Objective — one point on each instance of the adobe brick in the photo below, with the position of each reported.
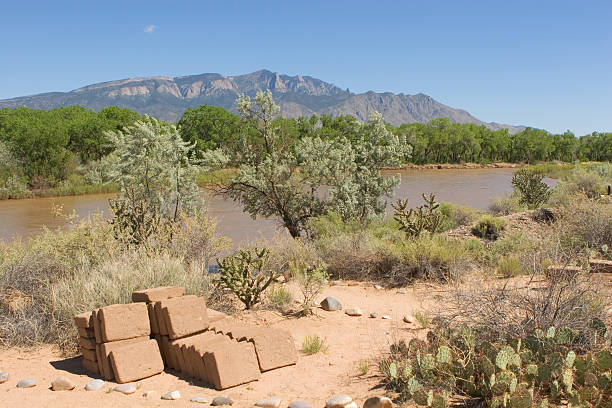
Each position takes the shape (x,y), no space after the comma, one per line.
(274,349)
(161,322)
(87,343)
(99,359)
(83,320)
(157,294)
(153,318)
(199,350)
(90,366)
(231,364)
(89,354)
(124,321)
(184,316)
(89,332)
(107,348)
(600,266)
(136,361)
(97,326)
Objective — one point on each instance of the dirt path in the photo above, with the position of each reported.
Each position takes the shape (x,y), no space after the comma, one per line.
(314,379)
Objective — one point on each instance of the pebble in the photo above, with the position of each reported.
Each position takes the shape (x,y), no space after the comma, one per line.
(407,319)
(218,401)
(200,400)
(339,401)
(351,405)
(94,385)
(386,317)
(26,383)
(62,384)
(377,287)
(373,315)
(401,291)
(331,304)
(378,402)
(4,376)
(353,312)
(299,404)
(173,395)
(268,403)
(125,389)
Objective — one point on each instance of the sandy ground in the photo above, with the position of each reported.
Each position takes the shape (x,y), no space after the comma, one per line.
(315,378)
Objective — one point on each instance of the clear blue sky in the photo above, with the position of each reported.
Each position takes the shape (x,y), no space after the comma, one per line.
(546,64)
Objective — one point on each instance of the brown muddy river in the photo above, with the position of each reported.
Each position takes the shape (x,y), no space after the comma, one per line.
(470,187)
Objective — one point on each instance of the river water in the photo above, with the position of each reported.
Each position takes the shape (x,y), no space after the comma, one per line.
(470,187)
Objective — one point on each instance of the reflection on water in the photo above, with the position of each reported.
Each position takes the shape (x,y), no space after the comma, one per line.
(473,187)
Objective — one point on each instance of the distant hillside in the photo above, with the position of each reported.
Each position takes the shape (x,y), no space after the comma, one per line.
(167,98)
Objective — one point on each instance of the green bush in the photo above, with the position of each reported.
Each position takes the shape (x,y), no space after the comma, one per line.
(489,227)
(246,275)
(505,205)
(426,217)
(313,345)
(531,190)
(537,370)
(311,279)
(456,216)
(510,267)
(279,297)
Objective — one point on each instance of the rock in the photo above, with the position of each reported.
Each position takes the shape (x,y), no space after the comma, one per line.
(268,403)
(373,315)
(4,376)
(378,402)
(407,319)
(386,317)
(299,404)
(94,385)
(339,401)
(218,401)
(401,291)
(200,400)
(353,312)
(26,383)
(377,287)
(331,304)
(125,389)
(147,394)
(351,405)
(172,395)
(62,384)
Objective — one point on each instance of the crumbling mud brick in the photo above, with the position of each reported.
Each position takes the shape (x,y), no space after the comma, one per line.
(157,294)
(274,349)
(136,361)
(229,365)
(184,316)
(89,332)
(100,359)
(97,326)
(124,321)
(161,322)
(87,343)
(89,354)
(153,318)
(107,348)
(83,320)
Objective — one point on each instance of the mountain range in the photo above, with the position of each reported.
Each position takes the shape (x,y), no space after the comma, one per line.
(167,98)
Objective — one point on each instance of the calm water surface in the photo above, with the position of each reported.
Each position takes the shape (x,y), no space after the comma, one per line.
(471,187)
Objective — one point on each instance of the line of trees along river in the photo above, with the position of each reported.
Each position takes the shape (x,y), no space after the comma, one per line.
(46,149)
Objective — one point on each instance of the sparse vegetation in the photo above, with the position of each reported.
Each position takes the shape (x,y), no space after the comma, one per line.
(363,367)
(246,275)
(489,227)
(279,297)
(426,217)
(313,345)
(509,267)
(531,190)
(423,318)
(311,279)
(505,205)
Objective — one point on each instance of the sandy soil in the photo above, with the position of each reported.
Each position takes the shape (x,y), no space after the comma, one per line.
(315,378)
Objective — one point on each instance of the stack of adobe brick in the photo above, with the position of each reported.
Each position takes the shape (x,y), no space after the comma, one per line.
(197,342)
(87,342)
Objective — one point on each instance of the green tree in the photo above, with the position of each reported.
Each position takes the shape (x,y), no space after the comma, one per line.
(296,179)
(533,192)
(209,127)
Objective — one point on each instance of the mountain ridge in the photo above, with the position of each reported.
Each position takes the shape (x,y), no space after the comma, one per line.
(167,98)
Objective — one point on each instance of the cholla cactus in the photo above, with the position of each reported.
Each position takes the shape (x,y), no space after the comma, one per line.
(245,275)
(413,222)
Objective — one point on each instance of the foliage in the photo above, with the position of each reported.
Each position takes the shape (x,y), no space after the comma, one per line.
(48,279)
(279,297)
(426,217)
(313,344)
(456,216)
(505,205)
(423,318)
(281,176)
(245,275)
(489,227)
(509,267)
(312,279)
(513,373)
(209,127)
(155,171)
(532,191)
(363,367)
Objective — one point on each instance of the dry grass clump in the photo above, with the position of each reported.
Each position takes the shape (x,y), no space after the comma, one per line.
(505,205)
(50,278)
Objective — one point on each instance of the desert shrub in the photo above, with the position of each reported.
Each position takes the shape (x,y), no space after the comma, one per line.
(313,345)
(505,205)
(14,187)
(509,267)
(426,217)
(284,253)
(515,372)
(246,275)
(312,279)
(586,225)
(363,366)
(423,318)
(489,227)
(532,191)
(279,297)
(587,181)
(456,216)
